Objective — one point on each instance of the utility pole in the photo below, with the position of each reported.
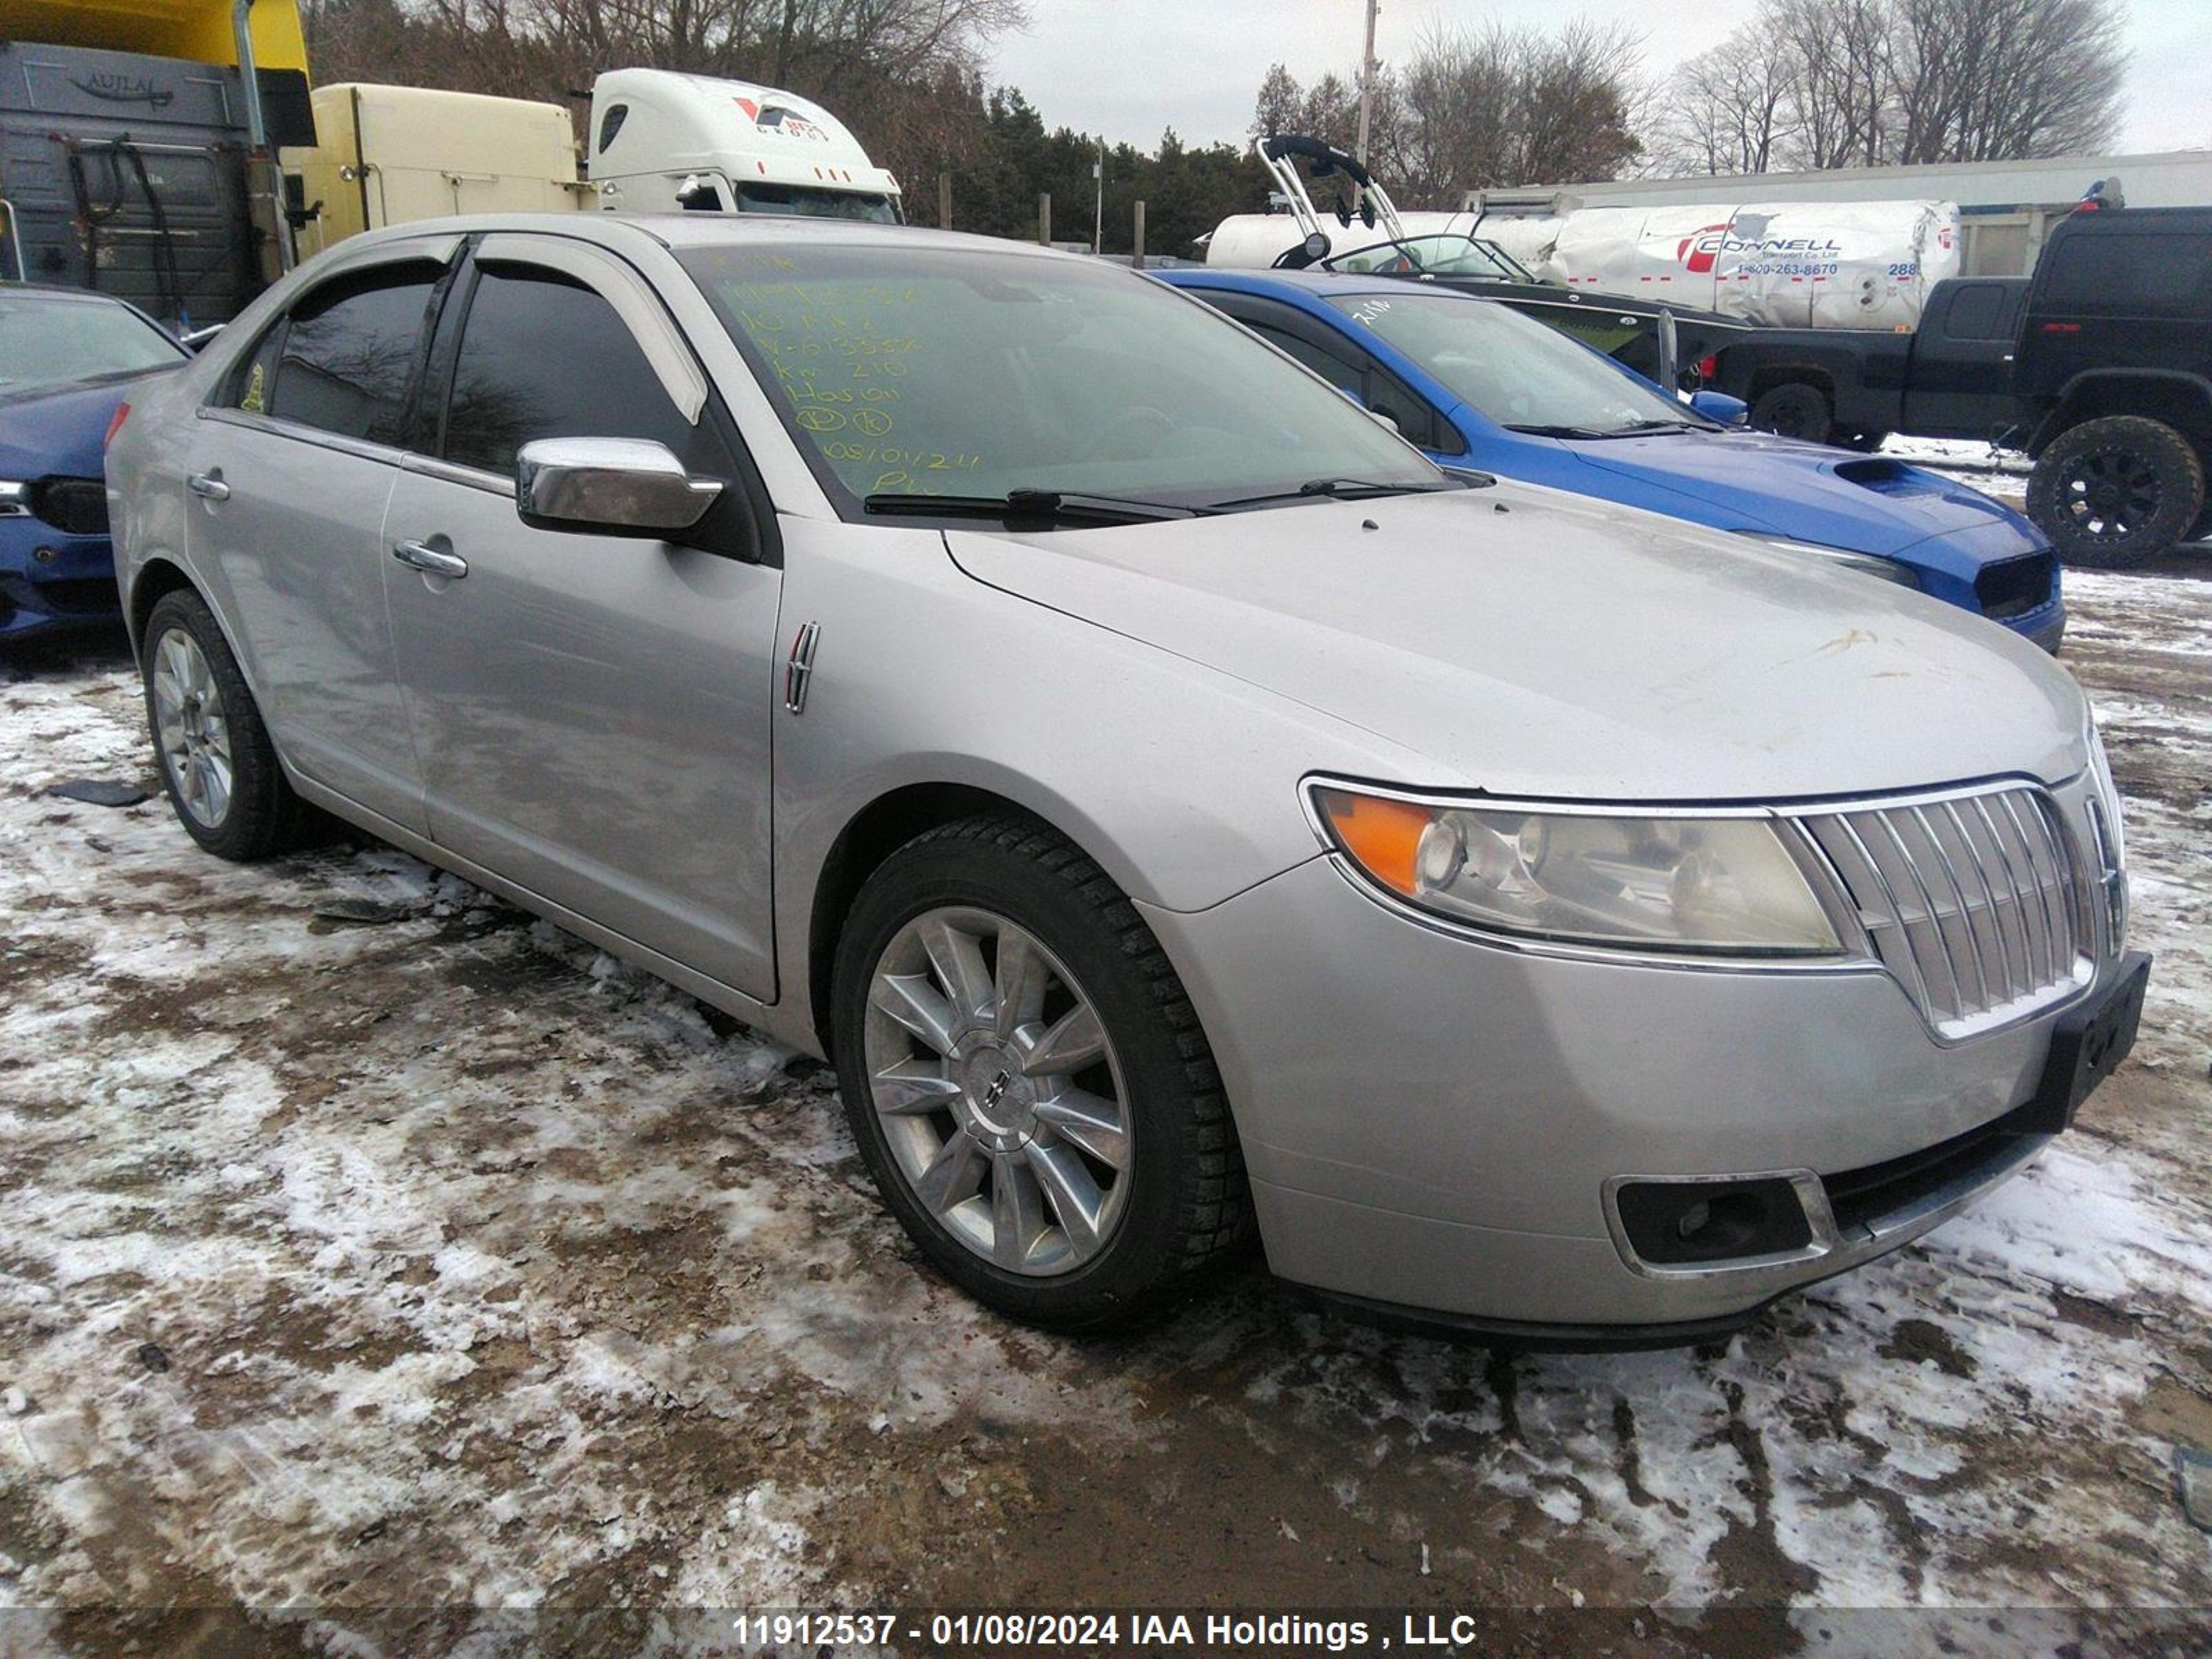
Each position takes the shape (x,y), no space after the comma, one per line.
(1044,217)
(1367,67)
(1098,217)
(1139,261)
(945,201)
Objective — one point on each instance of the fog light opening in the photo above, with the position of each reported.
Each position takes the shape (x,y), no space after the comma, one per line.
(1687,1223)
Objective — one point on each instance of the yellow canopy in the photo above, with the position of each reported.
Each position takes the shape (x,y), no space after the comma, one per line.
(199,31)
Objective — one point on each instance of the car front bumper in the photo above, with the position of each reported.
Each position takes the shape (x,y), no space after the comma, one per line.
(1431,1122)
(52,580)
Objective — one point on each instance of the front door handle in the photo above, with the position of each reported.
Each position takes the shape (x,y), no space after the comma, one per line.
(430,560)
(208,485)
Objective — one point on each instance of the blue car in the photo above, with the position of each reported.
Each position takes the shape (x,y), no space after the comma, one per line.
(67,360)
(1481,388)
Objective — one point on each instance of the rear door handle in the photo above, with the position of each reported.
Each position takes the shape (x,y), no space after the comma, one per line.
(209,485)
(430,560)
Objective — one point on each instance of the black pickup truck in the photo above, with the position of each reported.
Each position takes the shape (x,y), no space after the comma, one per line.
(2098,367)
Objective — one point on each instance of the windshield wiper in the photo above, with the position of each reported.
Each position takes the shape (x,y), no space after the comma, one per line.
(1561,431)
(1343,489)
(1661,426)
(1054,506)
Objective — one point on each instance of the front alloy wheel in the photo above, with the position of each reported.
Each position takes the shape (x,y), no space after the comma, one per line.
(1000,1099)
(1028,1081)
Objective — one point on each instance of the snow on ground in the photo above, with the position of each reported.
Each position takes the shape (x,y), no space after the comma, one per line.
(425,1282)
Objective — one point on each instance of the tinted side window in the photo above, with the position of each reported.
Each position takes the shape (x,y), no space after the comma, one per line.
(2123,272)
(348,353)
(254,374)
(543,357)
(1337,371)
(1978,313)
(1418,424)
(611,124)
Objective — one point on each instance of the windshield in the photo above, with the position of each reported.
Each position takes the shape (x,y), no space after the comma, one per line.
(806,201)
(48,342)
(1512,368)
(1436,256)
(910,370)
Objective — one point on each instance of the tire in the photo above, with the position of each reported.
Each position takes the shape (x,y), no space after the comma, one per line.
(210,715)
(2117,492)
(1796,409)
(982,1163)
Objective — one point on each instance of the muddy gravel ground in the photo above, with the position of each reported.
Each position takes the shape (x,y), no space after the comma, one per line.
(383,1273)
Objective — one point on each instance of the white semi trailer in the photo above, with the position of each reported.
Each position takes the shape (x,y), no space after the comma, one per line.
(1790,264)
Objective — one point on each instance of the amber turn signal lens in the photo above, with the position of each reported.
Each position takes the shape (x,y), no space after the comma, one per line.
(1383,836)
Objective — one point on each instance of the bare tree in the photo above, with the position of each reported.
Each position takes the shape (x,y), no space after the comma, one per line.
(1730,111)
(1474,107)
(1833,83)
(1995,79)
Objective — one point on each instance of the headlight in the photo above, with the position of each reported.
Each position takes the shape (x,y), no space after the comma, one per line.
(1866,564)
(1632,882)
(14,498)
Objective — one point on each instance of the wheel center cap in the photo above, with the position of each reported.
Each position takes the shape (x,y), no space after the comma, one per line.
(996,1095)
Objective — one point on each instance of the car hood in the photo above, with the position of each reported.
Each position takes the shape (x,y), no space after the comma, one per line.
(61,429)
(1529,642)
(1869,503)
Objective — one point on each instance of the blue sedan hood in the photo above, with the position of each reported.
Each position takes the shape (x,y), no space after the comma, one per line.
(1866,503)
(61,430)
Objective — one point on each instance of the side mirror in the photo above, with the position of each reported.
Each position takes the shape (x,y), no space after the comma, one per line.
(1718,406)
(610,486)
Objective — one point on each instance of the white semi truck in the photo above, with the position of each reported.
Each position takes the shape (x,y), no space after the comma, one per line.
(660,141)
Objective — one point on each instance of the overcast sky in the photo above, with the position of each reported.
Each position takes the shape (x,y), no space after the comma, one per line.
(1130,69)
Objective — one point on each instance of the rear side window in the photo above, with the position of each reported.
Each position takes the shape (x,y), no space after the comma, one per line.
(348,354)
(2120,273)
(544,357)
(1978,313)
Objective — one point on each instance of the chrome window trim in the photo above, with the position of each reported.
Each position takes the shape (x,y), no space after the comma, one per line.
(1858,954)
(321,438)
(452,472)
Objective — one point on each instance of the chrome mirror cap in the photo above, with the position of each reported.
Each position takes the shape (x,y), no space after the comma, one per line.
(615,486)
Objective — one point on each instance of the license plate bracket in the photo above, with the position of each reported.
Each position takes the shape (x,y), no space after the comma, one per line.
(2087,1046)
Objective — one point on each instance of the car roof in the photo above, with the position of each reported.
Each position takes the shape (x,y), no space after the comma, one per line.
(684,231)
(63,296)
(1321,283)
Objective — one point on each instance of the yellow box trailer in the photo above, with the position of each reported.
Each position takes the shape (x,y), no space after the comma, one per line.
(388,155)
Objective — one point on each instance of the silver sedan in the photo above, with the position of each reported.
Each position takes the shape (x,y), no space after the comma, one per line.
(1185,815)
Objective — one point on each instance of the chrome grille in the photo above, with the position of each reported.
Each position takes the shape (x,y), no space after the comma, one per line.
(1976,902)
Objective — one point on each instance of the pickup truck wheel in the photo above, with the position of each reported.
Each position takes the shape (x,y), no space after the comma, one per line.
(1028,1081)
(1796,409)
(2117,492)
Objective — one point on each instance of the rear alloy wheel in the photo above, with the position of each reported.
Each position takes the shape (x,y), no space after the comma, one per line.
(1796,409)
(216,760)
(1027,1079)
(2117,492)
